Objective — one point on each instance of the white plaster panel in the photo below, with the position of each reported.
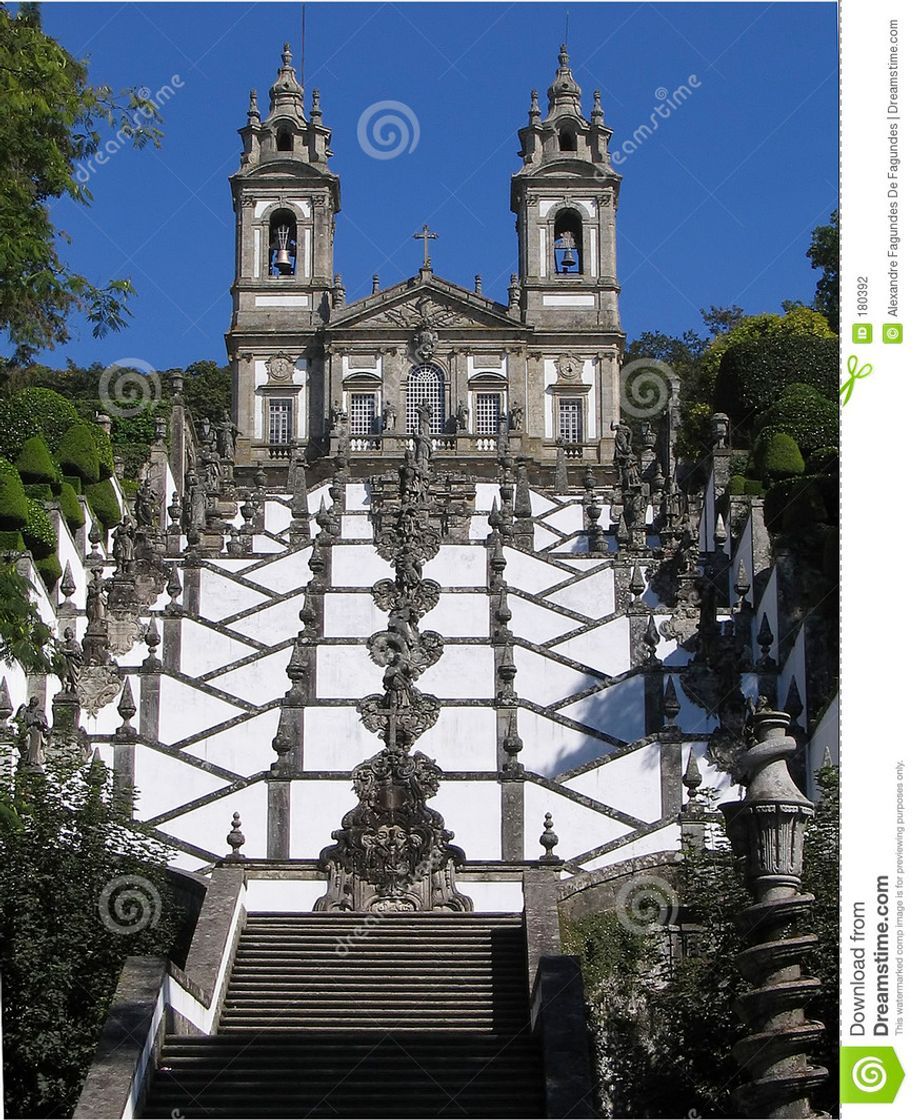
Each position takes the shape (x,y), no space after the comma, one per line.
(583,563)
(335,739)
(493,897)
(346,672)
(303,204)
(260,680)
(486,492)
(316,809)
(357,565)
(245,748)
(593,246)
(825,741)
(257,252)
(472,810)
(221,596)
(356,526)
(277,517)
(569,301)
(550,748)
(319,494)
(768,606)
(185,711)
(544,680)
(579,828)
(305,256)
(262,206)
(667,839)
(542,252)
(283,896)
(629,782)
(462,738)
(458,565)
(794,667)
(591,595)
(204,649)
(606,648)
(207,825)
(540,504)
(570,519)
(530,574)
(462,672)
(288,573)
(538,624)
(164,782)
(744,552)
(710,774)
(545,205)
(479,527)
(357,496)
(692,719)
(459,616)
(282,301)
(352,615)
(263,544)
(617,710)
(668,650)
(68,553)
(544,538)
(274,623)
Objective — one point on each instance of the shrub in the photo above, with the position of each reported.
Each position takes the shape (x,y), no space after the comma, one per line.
(777,455)
(738,464)
(14,506)
(11,541)
(103,450)
(753,375)
(35,463)
(77,453)
(74,481)
(71,507)
(753,487)
(40,490)
(825,460)
(39,533)
(793,504)
(807,415)
(50,570)
(736,485)
(34,412)
(103,501)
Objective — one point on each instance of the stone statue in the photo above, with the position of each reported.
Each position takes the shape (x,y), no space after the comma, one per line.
(422,439)
(194,514)
(226,433)
(389,418)
(211,467)
(516,413)
(145,505)
(624,458)
(122,545)
(461,416)
(95,599)
(71,653)
(36,732)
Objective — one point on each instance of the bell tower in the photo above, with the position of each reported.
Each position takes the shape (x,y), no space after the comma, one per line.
(565,200)
(285,199)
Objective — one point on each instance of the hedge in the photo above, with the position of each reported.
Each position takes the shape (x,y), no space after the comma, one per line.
(14,505)
(75,482)
(807,415)
(39,490)
(39,533)
(104,451)
(795,503)
(11,541)
(77,453)
(71,507)
(736,484)
(777,455)
(34,412)
(49,569)
(35,464)
(103,501)
(753,375)
(823,461)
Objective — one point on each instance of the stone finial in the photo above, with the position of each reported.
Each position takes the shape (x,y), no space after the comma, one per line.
(765,640)
(515,293)
(670,703)
(597,108)
(173,587)
(127,709)
(637,583)
(561,481)
(742,584)
(651,639)
(316,104)
(691,779)
(376,283)
(260,478)
(478,284)
(254,113)
(623,531)
(512,745)
(549,841)
(235,840)
(534,109)
(506,670)
(793,705)
(151,662)
(720,533)
(94,559)
(67,584)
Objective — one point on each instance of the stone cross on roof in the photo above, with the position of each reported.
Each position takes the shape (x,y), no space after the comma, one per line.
(426,235)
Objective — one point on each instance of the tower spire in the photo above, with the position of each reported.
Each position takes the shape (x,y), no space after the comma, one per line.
(286,92)
(564,93)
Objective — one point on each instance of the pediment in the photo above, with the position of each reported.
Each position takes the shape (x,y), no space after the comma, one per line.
(434,303)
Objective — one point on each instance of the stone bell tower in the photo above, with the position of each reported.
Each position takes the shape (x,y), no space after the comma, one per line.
(284,198)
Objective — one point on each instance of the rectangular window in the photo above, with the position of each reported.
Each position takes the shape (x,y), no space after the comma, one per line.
(362,414)
(486,413)
(570,427)
(280,420)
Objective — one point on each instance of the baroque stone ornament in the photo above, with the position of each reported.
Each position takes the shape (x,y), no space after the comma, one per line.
(392,852)
(280,368)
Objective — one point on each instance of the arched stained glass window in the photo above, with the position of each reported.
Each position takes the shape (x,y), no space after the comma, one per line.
(426,383)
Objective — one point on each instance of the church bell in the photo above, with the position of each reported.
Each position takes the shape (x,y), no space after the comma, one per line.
(282,260)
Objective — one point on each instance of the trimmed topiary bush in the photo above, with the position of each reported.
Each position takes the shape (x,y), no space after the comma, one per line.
(39,534)
(103,450)
(77,453)
(825,460)
(753,375)
(71,507)
(736,485)
(807,415)
(11,541)
(75,482)
(777,456)
(103,501)
(14,505)
(39,490)
(34,412)
(49,569)
(35,464)
(793,504)
(753,487)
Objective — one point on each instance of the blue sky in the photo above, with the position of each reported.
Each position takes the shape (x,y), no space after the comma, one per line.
(716,206)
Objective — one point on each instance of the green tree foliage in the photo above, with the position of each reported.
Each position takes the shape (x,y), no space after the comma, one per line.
(78,453)
(824,253)
(662,1010)
(14,506)
(34,411)
(24,638)
(38,531)
(51,121)
(207,390)
(63,843)
(812,419)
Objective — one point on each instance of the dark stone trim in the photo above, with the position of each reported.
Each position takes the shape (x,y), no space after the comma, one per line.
(560,1020)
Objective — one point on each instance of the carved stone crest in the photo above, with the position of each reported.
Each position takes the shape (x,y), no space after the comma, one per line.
(569,369)
(425,341)
(280,368)
(97,686)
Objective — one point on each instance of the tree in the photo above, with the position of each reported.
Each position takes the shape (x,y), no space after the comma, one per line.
(81,889)
(50,122)
(718,320)
(824,253)
(24,638)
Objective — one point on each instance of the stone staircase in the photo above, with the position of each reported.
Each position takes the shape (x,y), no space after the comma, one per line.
(325,1015)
